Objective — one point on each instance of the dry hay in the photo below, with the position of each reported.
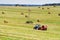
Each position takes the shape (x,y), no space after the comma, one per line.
(29,10)
(22,13)
(49,12)
(29,22)
(38,20)
(54,6)
(38,7)
(5,21)
(3,13)
(26,15)
(42,8)
(48,8)
(59,14)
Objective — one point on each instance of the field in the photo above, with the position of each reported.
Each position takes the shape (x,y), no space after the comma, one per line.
(17,29)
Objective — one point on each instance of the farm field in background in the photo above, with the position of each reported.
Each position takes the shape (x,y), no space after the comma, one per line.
(17,29)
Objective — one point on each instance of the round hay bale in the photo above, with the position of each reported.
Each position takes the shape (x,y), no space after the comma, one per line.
(58,14)
(54,6)
(3,13)
(5,21)
(38,7)
(22,13)
(29,10)
(38,20)
(42,8)
(48,8)
(29,22)
(49,12)
(26,16)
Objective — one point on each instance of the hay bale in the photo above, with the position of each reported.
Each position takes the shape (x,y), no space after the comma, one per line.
(5,21)
(48,8)
(49,12)
(29,22)
(26,16)
(38,7)
(42,8)
(22,13)
(38,20)
(29,10)
(58,14)
(54,6)
(3,13)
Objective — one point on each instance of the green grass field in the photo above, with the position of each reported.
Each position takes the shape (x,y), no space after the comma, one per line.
(17,29)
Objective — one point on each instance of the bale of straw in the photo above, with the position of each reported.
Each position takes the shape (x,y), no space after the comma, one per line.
(5,21)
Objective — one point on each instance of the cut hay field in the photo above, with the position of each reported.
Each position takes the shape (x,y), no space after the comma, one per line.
(17,29)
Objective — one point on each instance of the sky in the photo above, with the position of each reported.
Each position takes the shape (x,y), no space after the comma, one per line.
(28,1)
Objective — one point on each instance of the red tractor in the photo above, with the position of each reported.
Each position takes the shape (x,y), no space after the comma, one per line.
(44,27)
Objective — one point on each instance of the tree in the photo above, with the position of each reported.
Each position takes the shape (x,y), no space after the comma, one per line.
(17,5)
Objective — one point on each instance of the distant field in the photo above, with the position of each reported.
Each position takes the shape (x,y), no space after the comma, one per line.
(17,29)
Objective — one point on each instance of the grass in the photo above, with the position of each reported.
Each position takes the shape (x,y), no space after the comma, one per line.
(17,29)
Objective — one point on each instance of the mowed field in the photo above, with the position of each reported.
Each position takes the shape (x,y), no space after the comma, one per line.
(17,29)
